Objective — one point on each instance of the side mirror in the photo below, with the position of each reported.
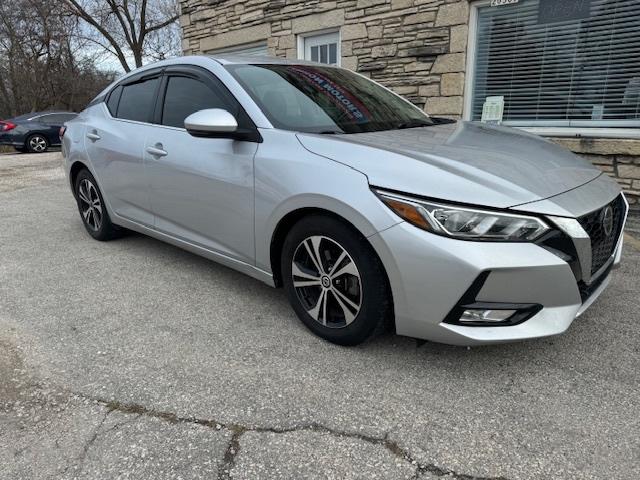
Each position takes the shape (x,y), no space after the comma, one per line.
(212,122)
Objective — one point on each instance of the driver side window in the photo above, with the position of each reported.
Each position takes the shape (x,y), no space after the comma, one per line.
(186,95)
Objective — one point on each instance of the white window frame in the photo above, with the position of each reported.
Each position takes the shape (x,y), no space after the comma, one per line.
(321,37)
(592,132)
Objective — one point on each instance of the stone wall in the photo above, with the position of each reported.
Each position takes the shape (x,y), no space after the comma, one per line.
(619,158)
(415,47)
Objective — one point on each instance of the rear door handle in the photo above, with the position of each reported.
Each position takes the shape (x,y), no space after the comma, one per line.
(157,151)
(93,136)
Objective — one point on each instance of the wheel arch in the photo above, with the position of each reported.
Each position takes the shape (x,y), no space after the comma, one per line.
(74,170)
(289,220)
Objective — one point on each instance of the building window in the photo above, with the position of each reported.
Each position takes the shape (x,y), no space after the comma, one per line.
(322,48)
(569,63)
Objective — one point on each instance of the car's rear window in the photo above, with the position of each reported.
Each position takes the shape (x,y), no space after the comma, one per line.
(21,118)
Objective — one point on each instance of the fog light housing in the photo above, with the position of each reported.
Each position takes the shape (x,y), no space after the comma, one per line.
(473,315)
(487,314)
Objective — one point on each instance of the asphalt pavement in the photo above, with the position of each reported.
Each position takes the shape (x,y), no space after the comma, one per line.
(133,359)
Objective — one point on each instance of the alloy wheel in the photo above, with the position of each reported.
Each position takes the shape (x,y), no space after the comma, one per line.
(90,204)
(38,144)
(327,281)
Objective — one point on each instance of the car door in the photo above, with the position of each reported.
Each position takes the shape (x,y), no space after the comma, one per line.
(201,189)
(115,137)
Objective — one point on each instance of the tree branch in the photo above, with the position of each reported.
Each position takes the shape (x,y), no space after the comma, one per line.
(82,13)
(161,25)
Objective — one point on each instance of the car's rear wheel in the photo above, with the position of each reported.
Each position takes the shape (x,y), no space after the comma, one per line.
(92,209)
(37,143)
(335,281)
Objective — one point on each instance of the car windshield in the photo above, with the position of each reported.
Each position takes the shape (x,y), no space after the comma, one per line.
(316,99)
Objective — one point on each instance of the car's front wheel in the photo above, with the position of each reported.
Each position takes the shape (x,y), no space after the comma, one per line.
(335,281)
(37,144)
(92,209)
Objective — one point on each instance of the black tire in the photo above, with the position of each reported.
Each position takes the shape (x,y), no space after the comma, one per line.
(376,306)
(36,143)
(106,230)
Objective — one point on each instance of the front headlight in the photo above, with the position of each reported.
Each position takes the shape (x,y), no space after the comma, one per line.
(464,222)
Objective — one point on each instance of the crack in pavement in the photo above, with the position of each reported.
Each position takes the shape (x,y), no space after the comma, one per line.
(229,461)
(238,430)
(78,462)
(92,439)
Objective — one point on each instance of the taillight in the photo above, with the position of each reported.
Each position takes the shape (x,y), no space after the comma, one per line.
(62,131)
(6,126)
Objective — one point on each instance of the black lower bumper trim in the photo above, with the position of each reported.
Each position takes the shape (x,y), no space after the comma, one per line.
(587,290)
(524,311)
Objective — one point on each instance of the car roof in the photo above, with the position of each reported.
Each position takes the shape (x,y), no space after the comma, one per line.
(202,59)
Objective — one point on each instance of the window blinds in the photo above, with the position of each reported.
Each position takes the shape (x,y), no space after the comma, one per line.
(575,65)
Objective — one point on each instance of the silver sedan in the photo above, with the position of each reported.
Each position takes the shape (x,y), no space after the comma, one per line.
(368,212)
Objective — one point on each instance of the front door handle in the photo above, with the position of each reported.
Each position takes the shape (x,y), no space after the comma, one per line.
(93,136)
(157,151)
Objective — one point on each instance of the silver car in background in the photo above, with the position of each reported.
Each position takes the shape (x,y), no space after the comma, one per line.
(367,211)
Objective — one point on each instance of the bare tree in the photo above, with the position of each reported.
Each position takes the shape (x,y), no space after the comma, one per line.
(42,65)
(130,29)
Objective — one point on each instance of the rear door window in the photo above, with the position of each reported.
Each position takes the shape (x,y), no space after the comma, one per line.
(55,119)
(137,100)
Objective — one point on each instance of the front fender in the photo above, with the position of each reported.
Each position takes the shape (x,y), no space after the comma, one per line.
(305,180)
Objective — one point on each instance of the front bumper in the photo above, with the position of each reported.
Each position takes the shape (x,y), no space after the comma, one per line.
(431,275)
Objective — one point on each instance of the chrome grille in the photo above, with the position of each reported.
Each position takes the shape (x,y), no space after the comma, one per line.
(603,245)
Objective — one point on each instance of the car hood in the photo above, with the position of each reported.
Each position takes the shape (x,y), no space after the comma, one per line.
(462,162)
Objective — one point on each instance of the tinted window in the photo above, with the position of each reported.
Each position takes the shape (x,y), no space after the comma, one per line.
(46,119)
(114,98)
(56,119)
(323,99)
(186,96)
(137,100)
(22,118)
